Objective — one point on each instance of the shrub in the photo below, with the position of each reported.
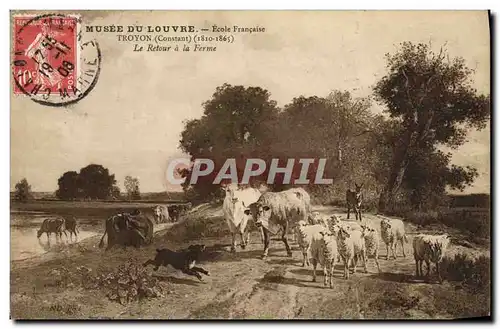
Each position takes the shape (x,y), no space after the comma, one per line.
(197,228)
(130,282)
(472,273)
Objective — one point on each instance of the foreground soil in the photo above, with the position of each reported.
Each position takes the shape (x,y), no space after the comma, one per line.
(243,286)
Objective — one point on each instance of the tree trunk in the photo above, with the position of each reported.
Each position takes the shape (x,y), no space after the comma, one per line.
(398,168)
(392,186)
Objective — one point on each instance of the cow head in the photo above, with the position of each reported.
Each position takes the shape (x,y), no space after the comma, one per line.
(229,192)
(39,233)
(260,213)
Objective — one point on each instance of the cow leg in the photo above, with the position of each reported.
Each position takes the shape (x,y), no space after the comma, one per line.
(348,211)
(359,211)
(314,264)
(403,247)
(387,248)
(438,273)
(266,243)
(233,242)
(393,248)
(325,275)
(284,238)
(48,238)
(243,240)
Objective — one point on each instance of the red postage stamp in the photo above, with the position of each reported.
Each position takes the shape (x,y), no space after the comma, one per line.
(52,63)
(48,49)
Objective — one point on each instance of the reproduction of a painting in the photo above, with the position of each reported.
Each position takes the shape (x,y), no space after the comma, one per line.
(250,165)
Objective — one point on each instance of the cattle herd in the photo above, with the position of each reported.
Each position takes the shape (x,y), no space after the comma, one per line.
(127,229)
(323,239)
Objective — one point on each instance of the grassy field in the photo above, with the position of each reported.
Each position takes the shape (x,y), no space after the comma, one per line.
(78,281)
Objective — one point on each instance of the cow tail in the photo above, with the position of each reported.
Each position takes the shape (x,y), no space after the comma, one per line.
(101,244)
(405,238)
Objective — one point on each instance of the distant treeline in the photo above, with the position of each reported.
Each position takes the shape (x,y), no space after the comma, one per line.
(478,200)
(151,197)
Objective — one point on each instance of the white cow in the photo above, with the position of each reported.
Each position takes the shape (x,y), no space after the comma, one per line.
(234,211)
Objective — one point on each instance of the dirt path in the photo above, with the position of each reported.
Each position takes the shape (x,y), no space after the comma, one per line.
(242,285)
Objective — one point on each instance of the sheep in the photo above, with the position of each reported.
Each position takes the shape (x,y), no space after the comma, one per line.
(317,218)
(429,248)
(334,224)
(351,247)
(372,240)
(392,231)
(304,234)
(324,251)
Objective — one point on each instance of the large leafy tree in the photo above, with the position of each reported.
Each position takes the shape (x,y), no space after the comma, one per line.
(236,123)
(68,186)
(432,99)
(96,182)
(334,127)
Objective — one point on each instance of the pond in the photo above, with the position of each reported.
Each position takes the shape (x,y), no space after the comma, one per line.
(24,243)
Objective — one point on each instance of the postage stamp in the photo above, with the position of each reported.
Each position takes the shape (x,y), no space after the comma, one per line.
(52,62)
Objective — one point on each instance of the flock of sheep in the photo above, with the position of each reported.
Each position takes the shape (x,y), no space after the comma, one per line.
(325,239)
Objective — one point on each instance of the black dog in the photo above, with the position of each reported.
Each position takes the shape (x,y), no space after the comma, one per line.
(182,260)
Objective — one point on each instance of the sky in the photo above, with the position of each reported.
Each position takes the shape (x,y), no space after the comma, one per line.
(132,120)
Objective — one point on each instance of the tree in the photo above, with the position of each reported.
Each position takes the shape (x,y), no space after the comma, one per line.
(68,186)
(236,123)
(115,192)
(428,174)
(96,182)
(132,187)
(23,191)
(434,102)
